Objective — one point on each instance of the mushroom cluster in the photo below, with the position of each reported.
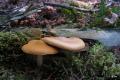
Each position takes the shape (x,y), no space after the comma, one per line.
(50,45)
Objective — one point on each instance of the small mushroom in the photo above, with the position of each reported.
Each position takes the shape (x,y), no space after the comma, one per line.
(71,44)
(39,48)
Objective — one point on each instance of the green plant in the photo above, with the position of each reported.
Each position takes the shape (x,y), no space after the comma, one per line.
(9,38)
(98,18)
(70,14)
(116,9)
(104,61)
(103,8)
(99,63)
(10,44)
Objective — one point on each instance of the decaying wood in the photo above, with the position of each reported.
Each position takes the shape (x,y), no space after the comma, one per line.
(66,32)
(108,38)
(74,33)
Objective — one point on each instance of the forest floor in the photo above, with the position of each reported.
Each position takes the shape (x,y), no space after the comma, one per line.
(95,63)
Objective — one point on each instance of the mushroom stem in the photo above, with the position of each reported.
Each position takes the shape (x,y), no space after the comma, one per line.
(39,60)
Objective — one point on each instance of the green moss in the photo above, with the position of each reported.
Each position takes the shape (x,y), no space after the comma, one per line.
(104,61)
(8,40)
(98,63)
(10,44)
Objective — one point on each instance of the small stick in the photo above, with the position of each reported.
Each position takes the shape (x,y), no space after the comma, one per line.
(70,7)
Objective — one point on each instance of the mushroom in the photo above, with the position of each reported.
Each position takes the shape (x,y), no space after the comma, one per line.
(71,44)
(38,48)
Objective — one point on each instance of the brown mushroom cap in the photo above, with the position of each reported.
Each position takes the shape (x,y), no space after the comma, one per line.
(71,44)
(38,47)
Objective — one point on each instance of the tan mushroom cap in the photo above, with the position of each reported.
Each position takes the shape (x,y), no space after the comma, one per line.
(38,47)
(71,44)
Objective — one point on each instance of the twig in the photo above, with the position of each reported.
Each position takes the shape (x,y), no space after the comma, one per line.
(66,71)
(70,7)
(49,77)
